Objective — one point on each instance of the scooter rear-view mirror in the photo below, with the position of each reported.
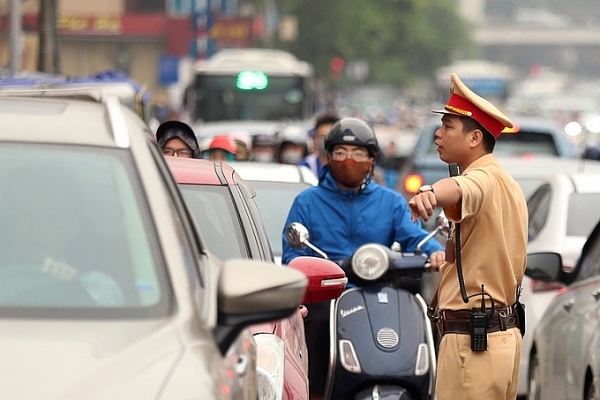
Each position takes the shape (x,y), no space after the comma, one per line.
(297,237)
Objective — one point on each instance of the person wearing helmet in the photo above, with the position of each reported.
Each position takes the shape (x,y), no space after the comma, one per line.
(263,148)
(344,211)
(176,138)
(221,148)
(293,145)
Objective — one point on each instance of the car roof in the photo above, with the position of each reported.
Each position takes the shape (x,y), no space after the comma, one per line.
(531,172)
(274,172)
(201,172)
(546,165)
(583,182)
(73,121)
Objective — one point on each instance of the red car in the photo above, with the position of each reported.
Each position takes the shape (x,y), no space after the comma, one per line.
(224,211)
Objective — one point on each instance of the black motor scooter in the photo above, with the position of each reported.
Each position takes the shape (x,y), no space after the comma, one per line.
(381,341)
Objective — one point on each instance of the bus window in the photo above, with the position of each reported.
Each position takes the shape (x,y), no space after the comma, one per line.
(221,98)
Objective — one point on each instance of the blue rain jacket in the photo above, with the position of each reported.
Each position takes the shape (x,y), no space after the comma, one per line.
(339,221)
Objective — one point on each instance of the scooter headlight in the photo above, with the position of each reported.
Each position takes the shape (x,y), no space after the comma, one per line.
(370,261)
(270,361)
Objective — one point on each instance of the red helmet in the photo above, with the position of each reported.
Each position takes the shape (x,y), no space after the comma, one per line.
(224,142)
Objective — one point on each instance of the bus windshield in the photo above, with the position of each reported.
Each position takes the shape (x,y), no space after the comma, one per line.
(248,95)
(251,85)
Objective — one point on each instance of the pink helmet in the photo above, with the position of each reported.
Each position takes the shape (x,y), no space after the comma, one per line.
(223,142)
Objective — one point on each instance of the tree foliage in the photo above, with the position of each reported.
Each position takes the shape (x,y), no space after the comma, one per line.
(402,40)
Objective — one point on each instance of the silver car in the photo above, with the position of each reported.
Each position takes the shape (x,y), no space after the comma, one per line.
(106,290)
(565,354)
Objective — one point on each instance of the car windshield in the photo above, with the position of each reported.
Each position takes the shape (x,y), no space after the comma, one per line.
(583,213)
(216,219)
(274,200)
(75,236)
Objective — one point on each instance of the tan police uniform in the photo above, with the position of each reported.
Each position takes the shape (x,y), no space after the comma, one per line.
(493,239)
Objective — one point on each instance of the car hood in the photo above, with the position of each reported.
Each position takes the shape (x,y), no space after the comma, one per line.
(93,359)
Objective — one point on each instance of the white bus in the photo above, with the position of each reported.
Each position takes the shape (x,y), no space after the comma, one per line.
(249,88)
(491,80)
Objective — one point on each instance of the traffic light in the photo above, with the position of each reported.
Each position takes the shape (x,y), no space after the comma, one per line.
(337,64)
(336,67)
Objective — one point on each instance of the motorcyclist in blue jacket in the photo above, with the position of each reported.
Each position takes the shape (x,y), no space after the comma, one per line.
(346,210)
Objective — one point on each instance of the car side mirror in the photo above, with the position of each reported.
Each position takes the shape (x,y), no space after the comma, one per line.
(544,266)
(326,280)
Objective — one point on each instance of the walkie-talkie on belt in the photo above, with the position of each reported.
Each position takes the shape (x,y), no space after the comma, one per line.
(480,320)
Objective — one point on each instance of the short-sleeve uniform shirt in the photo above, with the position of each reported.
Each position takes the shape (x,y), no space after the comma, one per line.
(493,236)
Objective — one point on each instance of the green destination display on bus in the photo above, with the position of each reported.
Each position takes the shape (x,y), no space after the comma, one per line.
(252,80)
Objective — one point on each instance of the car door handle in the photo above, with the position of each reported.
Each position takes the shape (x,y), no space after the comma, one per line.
(596,294)
(567,305)
(242,365)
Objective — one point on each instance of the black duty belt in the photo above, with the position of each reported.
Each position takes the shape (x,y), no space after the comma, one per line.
(458,321)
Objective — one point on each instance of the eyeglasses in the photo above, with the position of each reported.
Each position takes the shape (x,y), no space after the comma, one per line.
(180,153)
(356,155)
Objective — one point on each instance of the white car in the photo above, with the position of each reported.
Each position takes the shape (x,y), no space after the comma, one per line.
(107,290)
(565,356)
(277,185)
(562,212)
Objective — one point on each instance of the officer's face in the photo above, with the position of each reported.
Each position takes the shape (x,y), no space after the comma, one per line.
(452,143)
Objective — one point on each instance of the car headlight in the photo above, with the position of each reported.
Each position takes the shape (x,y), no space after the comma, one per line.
(593,124)
(573,128)
(270,362)
(370,261)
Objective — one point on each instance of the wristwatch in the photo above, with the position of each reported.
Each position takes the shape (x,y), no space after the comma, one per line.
(425,188)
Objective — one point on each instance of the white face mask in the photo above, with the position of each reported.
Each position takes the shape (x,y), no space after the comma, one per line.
(263,156)
(291,156)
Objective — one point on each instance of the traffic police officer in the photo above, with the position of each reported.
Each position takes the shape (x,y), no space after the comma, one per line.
(478,294)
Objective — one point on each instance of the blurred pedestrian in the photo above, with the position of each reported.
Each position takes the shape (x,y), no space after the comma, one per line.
(243,147)
(479,313)
(161,110)
(221,148)
(263,148)
(292,145)
(318,158)
(177,139)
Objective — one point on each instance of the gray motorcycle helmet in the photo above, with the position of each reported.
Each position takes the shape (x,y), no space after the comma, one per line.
(355,132)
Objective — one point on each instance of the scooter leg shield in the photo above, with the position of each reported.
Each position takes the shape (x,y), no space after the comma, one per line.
(384,327)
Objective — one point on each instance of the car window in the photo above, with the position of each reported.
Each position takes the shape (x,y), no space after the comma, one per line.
(538,207)
(590,263)
(75,233)
(215,218)
(583,213)
(274,200)
(524,142)
(520,143)
(517,144)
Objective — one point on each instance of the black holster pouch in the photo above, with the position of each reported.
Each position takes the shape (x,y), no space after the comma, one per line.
(519,309)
